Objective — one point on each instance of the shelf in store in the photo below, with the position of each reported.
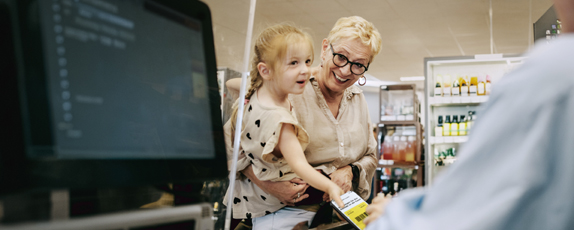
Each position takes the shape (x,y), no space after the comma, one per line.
(406,117)
(398,123)
(447,139)
(396,164)
(457,100)
(447,161)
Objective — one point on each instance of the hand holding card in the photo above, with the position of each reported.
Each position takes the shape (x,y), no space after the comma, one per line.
(354,211)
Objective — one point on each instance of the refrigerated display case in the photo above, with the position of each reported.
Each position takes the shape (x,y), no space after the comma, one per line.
(223,75)
(456,87)
(399,134)
(547,27)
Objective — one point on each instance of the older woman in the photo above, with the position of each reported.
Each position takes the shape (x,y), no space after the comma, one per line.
(334,112)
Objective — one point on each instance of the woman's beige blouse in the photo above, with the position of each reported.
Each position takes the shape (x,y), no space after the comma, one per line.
(337,142)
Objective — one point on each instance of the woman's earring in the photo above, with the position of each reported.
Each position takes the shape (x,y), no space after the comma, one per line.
(365,82)
(321,63)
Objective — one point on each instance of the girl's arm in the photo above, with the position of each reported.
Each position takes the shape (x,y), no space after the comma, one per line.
(292,152)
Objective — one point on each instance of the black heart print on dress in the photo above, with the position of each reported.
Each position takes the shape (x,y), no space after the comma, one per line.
(262,144)
(251,155)
(236,200)
(264,198)
(244,197)
(248,136)
(258,123)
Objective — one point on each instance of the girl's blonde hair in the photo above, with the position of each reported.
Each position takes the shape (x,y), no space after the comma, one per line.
(357,27)
(271,48)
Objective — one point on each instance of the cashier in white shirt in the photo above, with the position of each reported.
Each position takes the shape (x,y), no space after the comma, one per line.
(517,169)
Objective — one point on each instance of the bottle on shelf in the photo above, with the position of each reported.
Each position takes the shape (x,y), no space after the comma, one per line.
(446,86)
(438,128)
(469,122)
(487,86)
(554,31)
(454,126)
(396,143)
(384,184)
(438,158)
(410,151)
(462,126)
(451,152)
(403,148)
(395,189)
(481,86)
(455,88)
(396,109)
(463,86)
(388,148)
(472,87)
(446,126)
(438,86)
(407,107)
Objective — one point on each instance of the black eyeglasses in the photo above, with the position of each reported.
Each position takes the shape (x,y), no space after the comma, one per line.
(341,61)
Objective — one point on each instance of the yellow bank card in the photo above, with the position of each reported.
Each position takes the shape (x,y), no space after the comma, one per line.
(354,210)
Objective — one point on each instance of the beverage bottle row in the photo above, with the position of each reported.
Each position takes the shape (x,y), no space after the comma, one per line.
(555,32)
(462,86)
(399,148)
(456,126)
(405,107)
(444,157)
(394,180)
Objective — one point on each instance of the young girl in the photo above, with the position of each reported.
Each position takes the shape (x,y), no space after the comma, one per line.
(272,140)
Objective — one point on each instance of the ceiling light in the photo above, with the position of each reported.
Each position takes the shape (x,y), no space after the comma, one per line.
(415,78)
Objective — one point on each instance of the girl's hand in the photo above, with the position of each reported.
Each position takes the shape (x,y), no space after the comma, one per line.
(335,193)
(342,177)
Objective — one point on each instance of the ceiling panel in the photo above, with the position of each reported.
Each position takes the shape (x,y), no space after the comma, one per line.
(411,29)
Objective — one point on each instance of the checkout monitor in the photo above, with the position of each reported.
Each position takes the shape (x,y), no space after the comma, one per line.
(110,93)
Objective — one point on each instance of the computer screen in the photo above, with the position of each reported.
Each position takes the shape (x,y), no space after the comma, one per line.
(124,82)
(114,93)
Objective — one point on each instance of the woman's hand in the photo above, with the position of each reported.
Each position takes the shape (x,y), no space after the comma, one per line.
(288,192)
(377,208)
(343,177)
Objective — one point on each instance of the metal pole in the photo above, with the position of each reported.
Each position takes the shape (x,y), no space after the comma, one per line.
(238,123)
(491,39)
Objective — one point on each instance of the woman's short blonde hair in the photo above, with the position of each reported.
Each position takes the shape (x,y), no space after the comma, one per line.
(357,27)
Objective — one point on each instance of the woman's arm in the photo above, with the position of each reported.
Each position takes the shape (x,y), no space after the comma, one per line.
(233,86)
(293,153)
(288,192)
(366,164)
